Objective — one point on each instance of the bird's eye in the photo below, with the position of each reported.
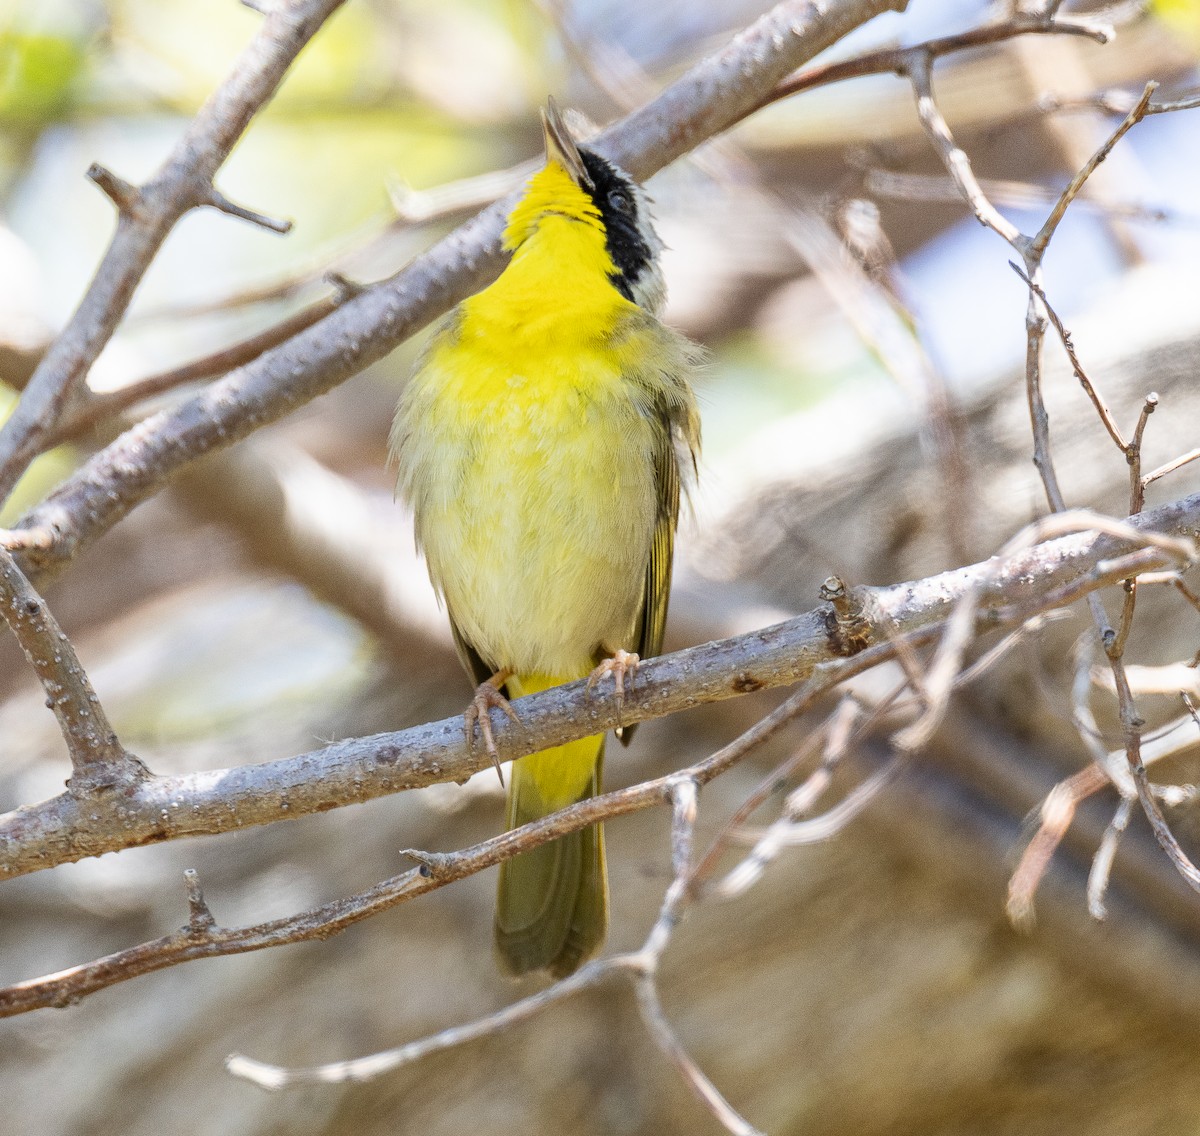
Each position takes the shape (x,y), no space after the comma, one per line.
(619,200)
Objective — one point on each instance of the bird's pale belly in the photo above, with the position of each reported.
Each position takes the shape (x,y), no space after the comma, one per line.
(552,568)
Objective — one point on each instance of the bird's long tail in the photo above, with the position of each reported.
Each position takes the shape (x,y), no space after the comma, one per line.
(552,903)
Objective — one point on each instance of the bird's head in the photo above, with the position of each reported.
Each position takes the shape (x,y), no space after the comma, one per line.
(579,184)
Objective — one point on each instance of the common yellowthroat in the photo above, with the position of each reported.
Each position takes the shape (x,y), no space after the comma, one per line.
(541,442)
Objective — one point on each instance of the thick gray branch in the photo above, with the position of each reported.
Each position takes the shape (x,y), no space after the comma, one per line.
(66,828)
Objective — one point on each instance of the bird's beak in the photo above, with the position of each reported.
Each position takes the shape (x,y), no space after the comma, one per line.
(560,146)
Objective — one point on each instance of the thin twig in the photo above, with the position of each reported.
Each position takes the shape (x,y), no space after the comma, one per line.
(275,1077)
(459,198)
(775,782)
(1039,243)
(1059,808)
(664,1036)
(902,60)
(215,199)
(1057,812)
(1170,467)
(1106,416)
(92,408)
(999,651)
(815,830)
(1137,484)
(790,830)
(643,965)
(941,673)
(1113,768)
(1097,883)
(957,163)
(1131,725)
(833,736)
(97,757)
(640,966)
(904,186)
(1185,591)
(1191,103)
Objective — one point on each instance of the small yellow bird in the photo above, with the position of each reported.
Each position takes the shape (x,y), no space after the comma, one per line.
(541,442)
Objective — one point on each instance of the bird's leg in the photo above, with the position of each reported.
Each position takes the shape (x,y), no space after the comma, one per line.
(487,695)
(619,664)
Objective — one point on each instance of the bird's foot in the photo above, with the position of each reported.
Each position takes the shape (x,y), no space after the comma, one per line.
(487,697)
(620,665)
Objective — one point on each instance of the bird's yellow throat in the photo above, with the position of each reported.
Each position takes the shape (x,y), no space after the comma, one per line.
(558,281)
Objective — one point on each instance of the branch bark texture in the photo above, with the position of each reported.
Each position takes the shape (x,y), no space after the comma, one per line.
(1005,592)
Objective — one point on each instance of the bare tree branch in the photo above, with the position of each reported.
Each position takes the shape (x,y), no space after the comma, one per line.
(1037,247)
(716,93)
(1110,424)
(1059,807)
(215,199)
(1170,467)
(145,216)
(367,1068)
(97,758)
(904,60)
(1008,592)
(641,966)
(92,407)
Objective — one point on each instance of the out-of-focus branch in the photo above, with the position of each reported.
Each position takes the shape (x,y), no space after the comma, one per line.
(88,409)
(91,408)
(146,215)
(640,966)
(97,758)
(901,60)
(1006,592)
(293,515)
(1015,194)
(712,96)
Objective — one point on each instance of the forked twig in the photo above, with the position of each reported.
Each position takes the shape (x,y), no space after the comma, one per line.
(1059,807)
(640,966)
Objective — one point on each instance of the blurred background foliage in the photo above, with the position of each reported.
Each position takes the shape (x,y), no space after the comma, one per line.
(210,648)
